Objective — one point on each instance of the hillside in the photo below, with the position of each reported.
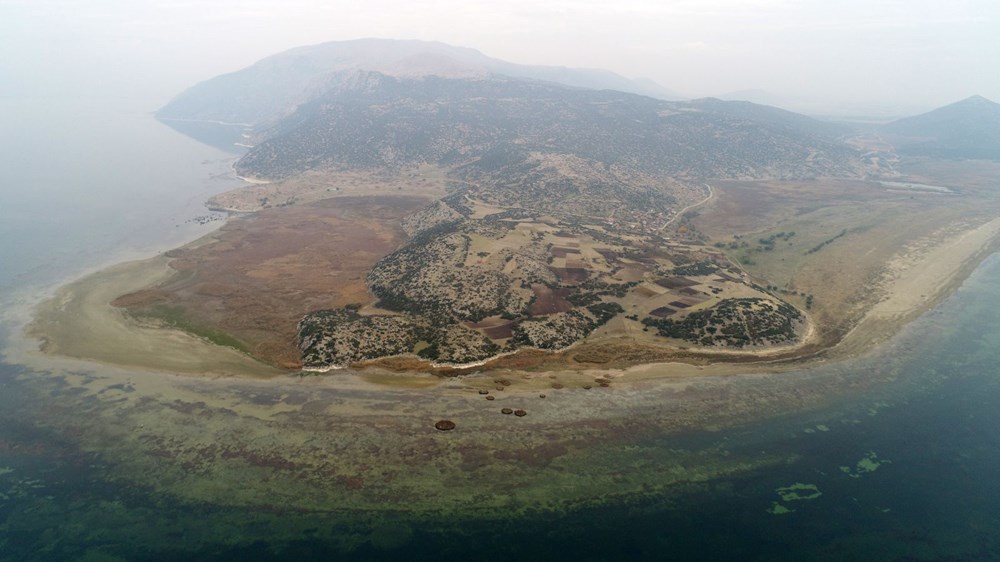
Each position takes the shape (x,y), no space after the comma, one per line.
(966,129)
(492,129)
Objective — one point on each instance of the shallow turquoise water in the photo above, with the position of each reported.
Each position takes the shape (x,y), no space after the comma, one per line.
(904,470)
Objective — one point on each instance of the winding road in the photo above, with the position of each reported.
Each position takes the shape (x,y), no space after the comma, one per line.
(711,193)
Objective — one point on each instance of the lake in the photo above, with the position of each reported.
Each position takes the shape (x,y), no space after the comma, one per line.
(900,469)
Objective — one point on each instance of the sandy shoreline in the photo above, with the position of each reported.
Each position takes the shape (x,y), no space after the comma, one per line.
(924,275)
(78,322)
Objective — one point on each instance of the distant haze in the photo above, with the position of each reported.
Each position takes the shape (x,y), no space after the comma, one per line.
(867,57)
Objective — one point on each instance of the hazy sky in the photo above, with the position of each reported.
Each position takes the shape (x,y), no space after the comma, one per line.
(912,54)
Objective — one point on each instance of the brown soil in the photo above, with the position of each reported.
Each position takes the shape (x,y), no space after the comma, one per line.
(259,275)
(571,274)
(549,301)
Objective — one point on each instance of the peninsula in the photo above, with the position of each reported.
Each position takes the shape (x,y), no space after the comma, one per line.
(422,208)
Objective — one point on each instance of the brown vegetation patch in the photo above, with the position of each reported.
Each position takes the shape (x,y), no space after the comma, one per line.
(262,273)
(609,354)
(147,297)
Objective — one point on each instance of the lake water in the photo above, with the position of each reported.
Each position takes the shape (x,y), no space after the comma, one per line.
(902,470)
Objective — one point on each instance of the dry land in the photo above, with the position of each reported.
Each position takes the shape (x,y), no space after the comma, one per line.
(845,257)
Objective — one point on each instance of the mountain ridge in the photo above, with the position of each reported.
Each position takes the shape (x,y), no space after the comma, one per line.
(272,87)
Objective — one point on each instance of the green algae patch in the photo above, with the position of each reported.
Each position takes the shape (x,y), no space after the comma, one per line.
(795,492)
(868,464)
(5,470)
(878,407)
(175,317)
(819,427)
(799,492)
(778,509)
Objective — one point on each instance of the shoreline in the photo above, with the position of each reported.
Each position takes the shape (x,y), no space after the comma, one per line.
(917,280)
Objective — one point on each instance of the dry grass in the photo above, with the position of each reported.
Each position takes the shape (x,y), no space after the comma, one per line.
(260,275)
(845,275)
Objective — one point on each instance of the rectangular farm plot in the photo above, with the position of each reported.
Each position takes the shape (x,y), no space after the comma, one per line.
(608,254)
(644,291)
(676,282)
(564,252)
(564,234)
(495,328)
(722,277)
(501,332)
(571,274)
(549,301)
(663,312)
(630,274)
(650,290)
